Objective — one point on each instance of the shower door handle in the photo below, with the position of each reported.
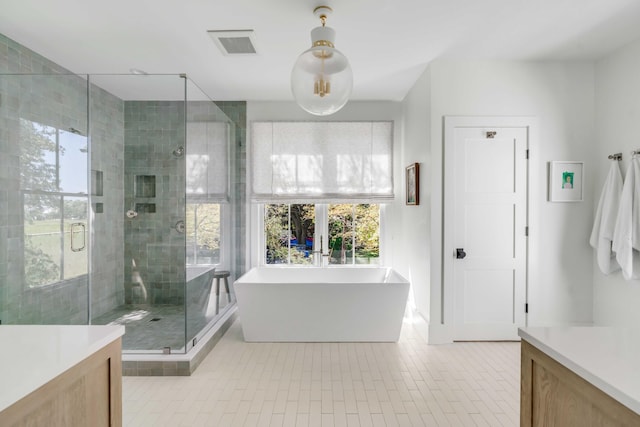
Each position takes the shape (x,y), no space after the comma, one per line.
(74,229)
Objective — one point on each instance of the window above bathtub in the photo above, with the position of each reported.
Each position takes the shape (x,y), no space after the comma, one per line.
(299,234)
(321,162)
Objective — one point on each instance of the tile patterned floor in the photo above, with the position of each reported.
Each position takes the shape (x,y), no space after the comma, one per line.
(155,327)
(408,383)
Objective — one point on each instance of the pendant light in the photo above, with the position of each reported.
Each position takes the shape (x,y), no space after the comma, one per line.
(321,79)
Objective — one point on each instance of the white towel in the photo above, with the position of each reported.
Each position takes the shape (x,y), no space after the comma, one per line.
(626,235)
(605,222)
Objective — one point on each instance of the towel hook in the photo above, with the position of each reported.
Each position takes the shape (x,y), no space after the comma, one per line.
(617,156)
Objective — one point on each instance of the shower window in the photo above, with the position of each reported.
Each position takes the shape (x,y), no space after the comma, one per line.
(204,233)
(353,230)
(53,176)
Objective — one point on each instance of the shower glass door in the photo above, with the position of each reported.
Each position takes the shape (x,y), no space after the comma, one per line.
(208,211)
(138,169)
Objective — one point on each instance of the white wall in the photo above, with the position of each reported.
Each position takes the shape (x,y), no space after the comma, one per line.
(615,300)
(414,221)
(561,96)
(354,110)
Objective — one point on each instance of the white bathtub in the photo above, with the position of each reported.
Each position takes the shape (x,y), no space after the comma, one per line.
(311,304)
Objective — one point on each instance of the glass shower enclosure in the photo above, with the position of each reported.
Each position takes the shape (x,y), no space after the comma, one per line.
(112,203)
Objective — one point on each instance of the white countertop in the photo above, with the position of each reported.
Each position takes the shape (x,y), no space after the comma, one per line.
(606,357)
(32,355)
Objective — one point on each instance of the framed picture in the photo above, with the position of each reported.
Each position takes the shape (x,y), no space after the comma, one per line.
(565,181)
(413,184)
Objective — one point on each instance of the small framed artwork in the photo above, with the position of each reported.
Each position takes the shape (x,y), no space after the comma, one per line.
(413,184)
(565,181)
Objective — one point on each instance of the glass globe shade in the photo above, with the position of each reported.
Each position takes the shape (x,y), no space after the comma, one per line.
(321,80)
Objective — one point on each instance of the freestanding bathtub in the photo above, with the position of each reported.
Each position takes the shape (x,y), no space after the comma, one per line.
(313,304)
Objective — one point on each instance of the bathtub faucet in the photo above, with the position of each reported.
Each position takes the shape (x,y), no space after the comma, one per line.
(318,255)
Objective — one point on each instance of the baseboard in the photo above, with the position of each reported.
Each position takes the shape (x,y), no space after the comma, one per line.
(439,334)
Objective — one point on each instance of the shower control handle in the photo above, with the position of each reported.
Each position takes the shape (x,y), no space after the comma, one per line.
(460,253)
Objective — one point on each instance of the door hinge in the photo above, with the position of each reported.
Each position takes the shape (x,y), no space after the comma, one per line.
(526,307)
(527,154)
(526,231)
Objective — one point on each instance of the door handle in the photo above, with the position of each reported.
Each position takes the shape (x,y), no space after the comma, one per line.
(460,253)
(79,228)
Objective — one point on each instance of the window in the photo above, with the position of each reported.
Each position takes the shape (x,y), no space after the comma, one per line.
(53,180)
(292,233)
(319,186)
(289,233)
(207,167)
(204,236)
(354,234)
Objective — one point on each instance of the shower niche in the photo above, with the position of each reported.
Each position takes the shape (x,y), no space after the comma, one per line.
(145,186)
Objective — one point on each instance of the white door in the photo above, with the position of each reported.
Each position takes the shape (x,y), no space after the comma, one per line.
(486,212)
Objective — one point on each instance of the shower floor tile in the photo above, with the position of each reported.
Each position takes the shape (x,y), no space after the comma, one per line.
(152,328)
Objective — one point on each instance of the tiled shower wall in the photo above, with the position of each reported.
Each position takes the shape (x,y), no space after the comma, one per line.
(154,188)
(154,250)
(237,112)
(107,157)
(59,101)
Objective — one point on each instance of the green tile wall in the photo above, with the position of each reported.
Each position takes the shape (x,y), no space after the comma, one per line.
(56,101)
(154,251)
(237,112)
(107,155)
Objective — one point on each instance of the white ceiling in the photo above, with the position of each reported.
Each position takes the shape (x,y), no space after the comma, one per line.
(388,42)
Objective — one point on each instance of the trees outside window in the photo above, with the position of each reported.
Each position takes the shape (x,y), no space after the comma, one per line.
(203,229)
(289,231)
(354,234)
(353,230)
(53,181)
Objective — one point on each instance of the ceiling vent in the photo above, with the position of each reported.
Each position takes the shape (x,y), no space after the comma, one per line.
(234,42)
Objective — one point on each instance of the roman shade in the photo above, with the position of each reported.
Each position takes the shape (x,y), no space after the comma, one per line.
(208,161)
(315,162)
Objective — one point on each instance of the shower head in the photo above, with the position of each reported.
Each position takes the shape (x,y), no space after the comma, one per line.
(178,152)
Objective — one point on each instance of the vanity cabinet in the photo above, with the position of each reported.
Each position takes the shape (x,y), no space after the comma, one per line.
(84,390)
(564,386)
